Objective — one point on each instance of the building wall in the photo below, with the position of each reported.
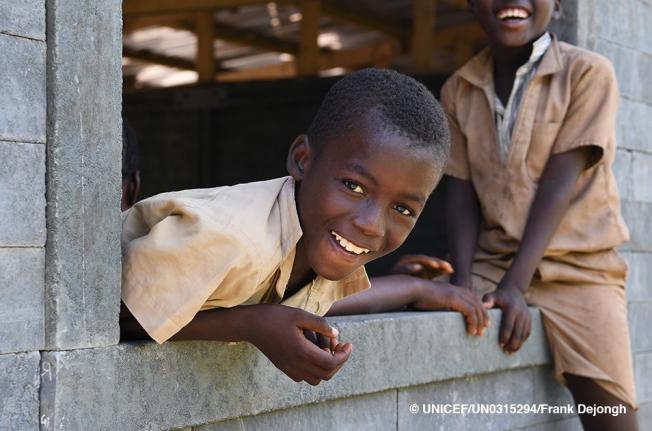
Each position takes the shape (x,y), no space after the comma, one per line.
(61,366)
(619,31)
(22,209)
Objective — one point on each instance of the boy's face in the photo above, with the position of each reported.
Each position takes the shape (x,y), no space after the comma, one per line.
(514,23)
(359,197)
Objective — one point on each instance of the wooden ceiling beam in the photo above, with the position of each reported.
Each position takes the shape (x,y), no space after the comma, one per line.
(205,59)
(340,12)
(154,57)
(423,27)
(137,7)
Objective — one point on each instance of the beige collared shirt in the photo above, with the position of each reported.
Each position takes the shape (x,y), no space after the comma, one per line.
(193,250)
(506,115)
(570,102)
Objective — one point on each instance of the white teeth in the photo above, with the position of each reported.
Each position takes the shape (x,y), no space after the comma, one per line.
(348,245)
(512,13)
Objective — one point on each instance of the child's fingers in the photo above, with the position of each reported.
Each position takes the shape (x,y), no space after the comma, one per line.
(506,328)
(316,323)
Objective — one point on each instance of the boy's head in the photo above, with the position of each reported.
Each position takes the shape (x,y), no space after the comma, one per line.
(130,171)
(514,23)
(372,155)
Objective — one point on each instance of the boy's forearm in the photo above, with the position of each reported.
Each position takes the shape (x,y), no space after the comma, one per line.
(220,324)
(463,222)
(389,293)
(548,208)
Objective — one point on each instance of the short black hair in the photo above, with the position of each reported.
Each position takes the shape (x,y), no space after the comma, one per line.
(129,149)
(405,106)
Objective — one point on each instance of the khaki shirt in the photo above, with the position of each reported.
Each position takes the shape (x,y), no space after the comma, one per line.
(570,102)
(199,249)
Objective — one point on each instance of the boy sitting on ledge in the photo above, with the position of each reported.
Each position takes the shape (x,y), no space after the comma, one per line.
(261,262)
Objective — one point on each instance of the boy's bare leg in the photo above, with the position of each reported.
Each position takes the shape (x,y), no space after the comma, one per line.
(586,391)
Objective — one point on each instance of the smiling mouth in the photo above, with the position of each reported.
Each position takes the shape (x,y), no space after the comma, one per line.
(348,245)
(513,14)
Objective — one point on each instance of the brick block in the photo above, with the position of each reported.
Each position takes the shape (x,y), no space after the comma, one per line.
(22,111)
(22,194)
(25,18)
(634,125)
(639,325)
(21,310)
(643,376)
(637,216)
(375,412)
(19,386)
(181,384)
(524,386)
(639,280)
(84,163)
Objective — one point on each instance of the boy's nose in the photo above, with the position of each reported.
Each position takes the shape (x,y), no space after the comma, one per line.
(370,220)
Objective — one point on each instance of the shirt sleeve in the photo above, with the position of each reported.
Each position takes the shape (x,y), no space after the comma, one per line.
(591,116)
(174,258)
(458,162)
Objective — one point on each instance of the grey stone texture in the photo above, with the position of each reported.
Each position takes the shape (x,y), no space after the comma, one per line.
(643,373)
(84,153)
(570,424)
(634,125)
(633,172)
(639,325)
(375,412)
(147,386)
(639,281)
(22,194)
(21,308)
(518,389)
(644,415)
(22,111)
(19,386)
(637,215)
(24,18)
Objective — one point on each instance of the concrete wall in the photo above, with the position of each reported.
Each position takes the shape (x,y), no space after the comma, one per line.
(61,366)
(620,31)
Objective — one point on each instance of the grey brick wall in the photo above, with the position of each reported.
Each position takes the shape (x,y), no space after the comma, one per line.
(22,209)
(620,31)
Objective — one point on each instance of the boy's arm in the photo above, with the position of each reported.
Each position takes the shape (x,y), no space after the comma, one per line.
(276,330)
(397,292)
(549,206)
(463,222)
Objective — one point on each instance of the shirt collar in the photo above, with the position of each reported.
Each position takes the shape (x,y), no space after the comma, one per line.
(479,70)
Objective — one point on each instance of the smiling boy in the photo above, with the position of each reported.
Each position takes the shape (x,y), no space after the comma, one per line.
(533,208)
(261,262)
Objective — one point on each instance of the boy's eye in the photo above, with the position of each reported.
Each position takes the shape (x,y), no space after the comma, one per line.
(353,186)
(403,210)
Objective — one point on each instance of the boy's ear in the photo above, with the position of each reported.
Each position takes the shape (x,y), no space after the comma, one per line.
(299,157)
(557,11)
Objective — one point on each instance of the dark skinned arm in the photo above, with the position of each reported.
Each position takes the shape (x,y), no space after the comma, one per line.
(463,221)
(276,330)
(549,206)
(398,292)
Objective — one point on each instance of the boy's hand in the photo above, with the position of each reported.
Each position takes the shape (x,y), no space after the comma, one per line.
(444,296)
(420,265)
(516,323)
(278,332)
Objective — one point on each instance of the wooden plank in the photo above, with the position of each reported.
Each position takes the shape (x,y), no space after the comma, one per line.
(205,60)
(134,7)
(308,58)
(423,19)
(340,12)
(156,58)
